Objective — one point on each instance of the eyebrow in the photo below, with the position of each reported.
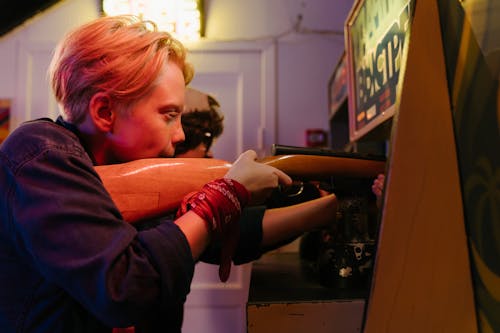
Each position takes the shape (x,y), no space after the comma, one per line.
(170,107)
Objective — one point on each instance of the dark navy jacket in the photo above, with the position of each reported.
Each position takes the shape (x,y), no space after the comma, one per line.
(68,261)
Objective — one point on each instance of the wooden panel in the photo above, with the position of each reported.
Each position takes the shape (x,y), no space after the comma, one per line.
(473,82)
(241,76)
(213,306)
(34,98)
(422,279)
(286,296)
(333,316)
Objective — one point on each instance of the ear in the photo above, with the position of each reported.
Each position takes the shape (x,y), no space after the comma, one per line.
(101,112)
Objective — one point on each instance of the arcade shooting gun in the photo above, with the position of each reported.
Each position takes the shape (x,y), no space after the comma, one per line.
(147,188)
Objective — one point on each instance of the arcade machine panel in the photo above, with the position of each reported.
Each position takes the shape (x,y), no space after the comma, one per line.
(336,265)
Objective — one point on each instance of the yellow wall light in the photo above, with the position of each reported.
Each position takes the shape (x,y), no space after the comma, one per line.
(182,18)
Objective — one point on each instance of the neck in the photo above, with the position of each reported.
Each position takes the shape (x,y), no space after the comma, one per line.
(95,143)
(97,147)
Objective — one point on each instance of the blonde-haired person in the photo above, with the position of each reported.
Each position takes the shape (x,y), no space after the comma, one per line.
(68,260)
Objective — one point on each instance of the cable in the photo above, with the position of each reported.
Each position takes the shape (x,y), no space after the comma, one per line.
(295,29)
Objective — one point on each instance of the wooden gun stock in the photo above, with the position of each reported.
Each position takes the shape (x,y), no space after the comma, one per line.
(150,187)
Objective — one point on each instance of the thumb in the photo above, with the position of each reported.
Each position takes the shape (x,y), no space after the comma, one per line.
(249,155)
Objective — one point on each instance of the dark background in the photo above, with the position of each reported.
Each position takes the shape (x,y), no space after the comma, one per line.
(15,12)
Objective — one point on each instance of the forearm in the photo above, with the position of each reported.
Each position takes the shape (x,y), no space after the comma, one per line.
(196,232)
(284,223)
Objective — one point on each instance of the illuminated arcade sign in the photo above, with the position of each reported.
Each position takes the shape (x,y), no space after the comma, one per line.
(377,33)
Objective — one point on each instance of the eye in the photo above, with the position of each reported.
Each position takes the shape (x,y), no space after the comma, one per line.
(170,114)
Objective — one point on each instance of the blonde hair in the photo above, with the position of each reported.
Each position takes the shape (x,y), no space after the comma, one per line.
(120,55)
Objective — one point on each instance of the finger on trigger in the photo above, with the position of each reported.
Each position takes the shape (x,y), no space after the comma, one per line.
(283,178)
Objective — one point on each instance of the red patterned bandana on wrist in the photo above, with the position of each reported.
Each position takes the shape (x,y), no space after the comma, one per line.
(219,203)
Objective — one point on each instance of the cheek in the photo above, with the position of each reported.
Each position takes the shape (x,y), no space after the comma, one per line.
(142,135)
(157,135)
(125,133)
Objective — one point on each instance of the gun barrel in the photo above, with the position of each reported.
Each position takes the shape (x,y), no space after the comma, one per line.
(319,167)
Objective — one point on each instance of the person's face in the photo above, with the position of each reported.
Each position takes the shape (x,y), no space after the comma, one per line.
(153,127)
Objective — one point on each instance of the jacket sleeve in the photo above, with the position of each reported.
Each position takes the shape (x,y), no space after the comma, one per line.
(67,226)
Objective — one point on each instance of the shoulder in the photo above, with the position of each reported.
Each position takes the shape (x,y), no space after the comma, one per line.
(38,137)
(42,131)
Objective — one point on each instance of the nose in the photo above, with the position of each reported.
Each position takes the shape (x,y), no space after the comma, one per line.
(179,135)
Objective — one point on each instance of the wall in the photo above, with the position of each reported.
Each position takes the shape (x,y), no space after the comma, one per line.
(306,53)
(40,32)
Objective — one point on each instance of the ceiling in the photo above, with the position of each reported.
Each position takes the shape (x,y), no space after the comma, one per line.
(14,13)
